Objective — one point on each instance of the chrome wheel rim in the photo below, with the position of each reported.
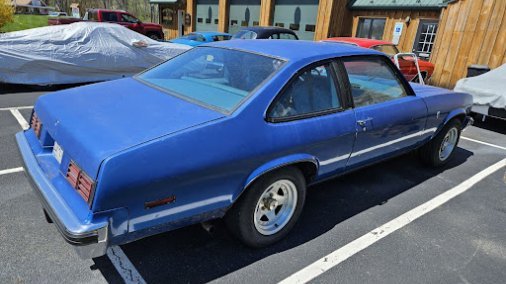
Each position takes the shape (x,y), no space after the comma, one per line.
(448,144)
(275,207)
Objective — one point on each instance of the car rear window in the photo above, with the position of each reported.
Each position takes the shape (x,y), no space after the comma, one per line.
(215,77)
(245,34)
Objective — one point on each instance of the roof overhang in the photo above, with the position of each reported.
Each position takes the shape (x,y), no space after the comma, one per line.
(384,5)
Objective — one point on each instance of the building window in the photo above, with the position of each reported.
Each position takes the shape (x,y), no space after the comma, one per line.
(425,38)
(371,28)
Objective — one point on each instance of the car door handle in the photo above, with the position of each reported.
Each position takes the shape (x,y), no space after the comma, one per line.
(363,122)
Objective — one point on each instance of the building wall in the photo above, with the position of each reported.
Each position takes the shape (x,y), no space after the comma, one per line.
(471,32)
(332,19)
(409,31)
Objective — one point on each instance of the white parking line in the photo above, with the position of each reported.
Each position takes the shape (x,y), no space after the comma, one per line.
(19,107)
(123,265)
(484,143)
(125,268)
(21,120)
(333,259)
(10,171)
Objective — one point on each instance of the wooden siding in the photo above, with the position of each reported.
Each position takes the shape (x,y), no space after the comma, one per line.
(333,19)
(266,12)
(223,15)
(470,32)
(392,16)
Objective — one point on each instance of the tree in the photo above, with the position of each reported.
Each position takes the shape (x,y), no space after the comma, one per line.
(6,13)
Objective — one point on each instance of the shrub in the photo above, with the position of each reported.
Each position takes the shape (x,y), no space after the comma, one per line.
(6,13)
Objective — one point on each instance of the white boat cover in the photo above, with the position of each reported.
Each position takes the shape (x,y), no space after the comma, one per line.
(78,53)
(488,89)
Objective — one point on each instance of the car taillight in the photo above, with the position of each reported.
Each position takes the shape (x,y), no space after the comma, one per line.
(35,124)
(79,180)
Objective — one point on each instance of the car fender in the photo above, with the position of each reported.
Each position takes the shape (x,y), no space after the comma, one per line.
(276,164)
(453,114)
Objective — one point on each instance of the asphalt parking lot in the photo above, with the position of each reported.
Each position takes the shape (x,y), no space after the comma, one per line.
(395,222)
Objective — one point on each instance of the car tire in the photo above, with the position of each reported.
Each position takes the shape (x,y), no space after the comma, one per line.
(269,208)
(438,151)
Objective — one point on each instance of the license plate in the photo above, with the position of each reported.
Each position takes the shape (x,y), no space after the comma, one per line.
(57,152)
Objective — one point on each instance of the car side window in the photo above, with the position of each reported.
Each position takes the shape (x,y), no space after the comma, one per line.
(373,81)
(274,36)
(311,91)
(220,37)
(128,18)
(286,36)
(109,16)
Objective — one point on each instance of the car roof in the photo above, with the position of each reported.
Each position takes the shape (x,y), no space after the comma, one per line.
(294,50)
(363,42)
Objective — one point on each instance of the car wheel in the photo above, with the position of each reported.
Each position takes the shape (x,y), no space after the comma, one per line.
(269,208)
(439,150)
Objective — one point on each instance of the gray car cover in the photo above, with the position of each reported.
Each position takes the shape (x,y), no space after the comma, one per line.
(488,89)
(78,53)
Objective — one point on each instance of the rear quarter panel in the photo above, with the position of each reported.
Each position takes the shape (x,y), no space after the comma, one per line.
(442,104)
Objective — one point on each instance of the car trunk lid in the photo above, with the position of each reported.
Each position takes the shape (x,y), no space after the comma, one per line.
(93,122)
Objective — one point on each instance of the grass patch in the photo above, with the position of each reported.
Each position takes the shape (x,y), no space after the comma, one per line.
(23,22)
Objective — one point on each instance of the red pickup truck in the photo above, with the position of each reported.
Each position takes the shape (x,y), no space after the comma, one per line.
(123,18)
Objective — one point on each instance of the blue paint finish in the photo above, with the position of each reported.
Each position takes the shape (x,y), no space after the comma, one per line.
(75,215)
(93,122)
(141,144)
(204,37)
(278,163)
(398,120)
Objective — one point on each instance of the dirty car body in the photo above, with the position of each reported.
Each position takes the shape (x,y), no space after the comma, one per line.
(181,143)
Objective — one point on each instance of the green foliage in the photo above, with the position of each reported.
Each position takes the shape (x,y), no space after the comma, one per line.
(23,22)
(6,13)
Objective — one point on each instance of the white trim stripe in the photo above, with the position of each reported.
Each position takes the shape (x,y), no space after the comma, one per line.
(361,152)
(125,268)
(21,120)
(484,143)
(10,171)
(333,259)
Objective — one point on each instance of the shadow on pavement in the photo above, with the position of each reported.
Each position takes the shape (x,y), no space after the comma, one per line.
(492,124)
(191,255)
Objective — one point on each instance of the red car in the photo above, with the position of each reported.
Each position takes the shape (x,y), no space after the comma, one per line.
(123,18)
(406,65)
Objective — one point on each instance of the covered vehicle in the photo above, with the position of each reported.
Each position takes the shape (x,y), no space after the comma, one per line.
(233,129)
(78,53)
(198,38)
(488,91)
(406,63)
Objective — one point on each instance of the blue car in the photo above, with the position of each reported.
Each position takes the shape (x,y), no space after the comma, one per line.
(198,38)
(235,129)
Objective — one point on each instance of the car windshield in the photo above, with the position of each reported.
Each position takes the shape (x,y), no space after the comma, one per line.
(388,49)
(245,34)
(216,77)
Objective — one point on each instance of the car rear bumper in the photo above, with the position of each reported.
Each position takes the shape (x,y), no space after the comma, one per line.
(90,239)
